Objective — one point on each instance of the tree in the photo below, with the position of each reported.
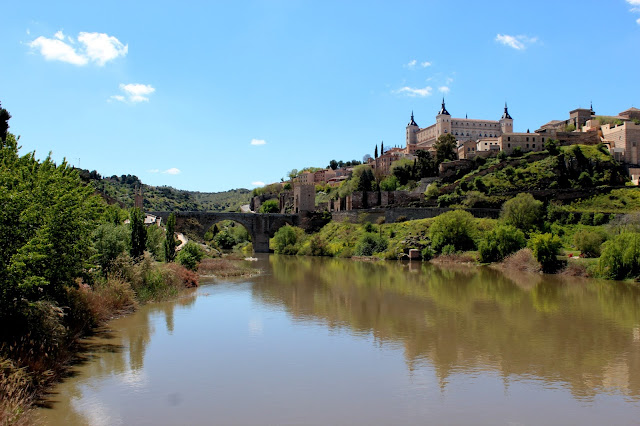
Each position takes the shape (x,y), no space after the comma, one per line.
(366,158)
(523,211)
(382,148)
(545,248)
(402,169)
(455,228)
(425,166)
(138,233)
(500,242)
(4,123)
(366,178)
(190,256)
(375,152)
(333,164)
(293,174)
(270,206)
(170,239)
(446,148)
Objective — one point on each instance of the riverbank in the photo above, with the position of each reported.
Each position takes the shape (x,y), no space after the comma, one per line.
(38,359)
(528,235)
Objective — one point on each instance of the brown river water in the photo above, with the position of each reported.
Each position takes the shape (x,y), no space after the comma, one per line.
(339,342)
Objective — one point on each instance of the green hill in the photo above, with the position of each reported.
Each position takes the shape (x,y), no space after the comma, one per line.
(121,189)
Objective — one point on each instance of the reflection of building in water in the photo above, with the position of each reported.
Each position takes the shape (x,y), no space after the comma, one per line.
(473,319)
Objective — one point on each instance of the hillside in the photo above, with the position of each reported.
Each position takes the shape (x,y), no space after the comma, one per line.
(121,189)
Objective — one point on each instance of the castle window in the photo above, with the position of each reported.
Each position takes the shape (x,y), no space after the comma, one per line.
(508,138)
(508,145)
(527,145)
(534,145)
(534,139)
(543,140)
(527,141)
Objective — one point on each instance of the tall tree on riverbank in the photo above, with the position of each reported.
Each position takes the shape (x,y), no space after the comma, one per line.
(138,233)
(170,240)
(4,123)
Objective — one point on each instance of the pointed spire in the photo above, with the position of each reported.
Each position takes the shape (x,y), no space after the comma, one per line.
(506,115)
(412,122)
(443,110)
(591,109)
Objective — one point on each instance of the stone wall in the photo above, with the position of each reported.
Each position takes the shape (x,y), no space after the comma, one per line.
(304,198)
(449,169)
(403,213)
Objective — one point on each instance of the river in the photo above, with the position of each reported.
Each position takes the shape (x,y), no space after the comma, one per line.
(339,342)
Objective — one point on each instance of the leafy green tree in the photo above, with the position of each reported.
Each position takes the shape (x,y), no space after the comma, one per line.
(446,148)
(270,206)
(454,228)
(170,239)
(138,233)
(366,179)
(190,255)
(109,242)
(46,220)
(501,242)
(545,248)
(425,165)
(389,183)
(333,164)
(155,242)
(403,170)
(523,211)
(286,240)
(620,257)
(4,123)
(551,145)
(588,242)
(369,244)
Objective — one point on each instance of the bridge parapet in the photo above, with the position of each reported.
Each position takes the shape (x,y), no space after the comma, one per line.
(261,226)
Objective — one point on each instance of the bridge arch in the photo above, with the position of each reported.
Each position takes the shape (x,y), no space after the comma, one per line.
(260,226)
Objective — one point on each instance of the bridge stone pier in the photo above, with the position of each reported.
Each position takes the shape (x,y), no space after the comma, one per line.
(261,226)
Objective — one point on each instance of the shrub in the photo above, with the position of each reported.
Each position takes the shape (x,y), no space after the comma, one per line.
(453,228)
(600,219)
(401,219)
(621,256)
(270,206)
(586,218)
(523,211)
(389,183)
(190,255)
(432,190)
(501,242)
(427,253)
(109,241)
(369,244)
(448,250)
(588,242)
(287,240)
(224,239)
(545,248)
(368,227)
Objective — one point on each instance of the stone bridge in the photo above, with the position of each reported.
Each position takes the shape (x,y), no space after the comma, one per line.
(261,226)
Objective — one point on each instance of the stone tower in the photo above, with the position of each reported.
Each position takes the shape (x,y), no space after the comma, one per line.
(412,128)
(506,122)
(443,121)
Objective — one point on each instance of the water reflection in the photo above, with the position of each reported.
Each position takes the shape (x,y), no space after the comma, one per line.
(581,333)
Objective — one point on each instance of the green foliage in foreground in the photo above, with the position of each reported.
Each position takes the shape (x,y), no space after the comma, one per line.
(621,256)
(523,212)
(369,244)
(47,217)
(500,242)
(190,255)
(455,228)
(545,248)
(270,206)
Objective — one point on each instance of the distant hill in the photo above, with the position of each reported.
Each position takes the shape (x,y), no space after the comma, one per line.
(121,190)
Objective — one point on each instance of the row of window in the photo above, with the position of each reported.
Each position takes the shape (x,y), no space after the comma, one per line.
(527,139)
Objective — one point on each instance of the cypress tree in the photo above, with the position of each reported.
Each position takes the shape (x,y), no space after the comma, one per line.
(138,232)
(170,240)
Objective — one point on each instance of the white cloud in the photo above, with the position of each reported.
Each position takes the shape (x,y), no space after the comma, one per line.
(134,92)
(172,171)
(56,50)
(412,63)
(449,80)
(518,42)
(425,64)
(635,5)
(443,89)
(415,92)
(258,142)
(102,48)
(99,48)
(638,21)
(257,183)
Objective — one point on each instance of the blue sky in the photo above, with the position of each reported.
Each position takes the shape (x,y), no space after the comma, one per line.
(210,96)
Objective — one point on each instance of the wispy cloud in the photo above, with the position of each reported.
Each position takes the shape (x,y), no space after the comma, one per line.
(412,64)
(98,48)
(257,183)
(415,92)
(444,89)
(171,171)
(258,142)
(635,7)
(134,93)
(519,42)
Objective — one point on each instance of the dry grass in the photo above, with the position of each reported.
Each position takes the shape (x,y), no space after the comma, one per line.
(16,392)
(224,267)
(521,261)
(575,269)
(107,299)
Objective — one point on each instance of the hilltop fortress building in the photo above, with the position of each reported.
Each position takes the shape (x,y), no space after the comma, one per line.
(464,129)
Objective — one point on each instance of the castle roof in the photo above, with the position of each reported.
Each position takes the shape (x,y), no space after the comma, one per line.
(443,110)
(506,115)
(412,122)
